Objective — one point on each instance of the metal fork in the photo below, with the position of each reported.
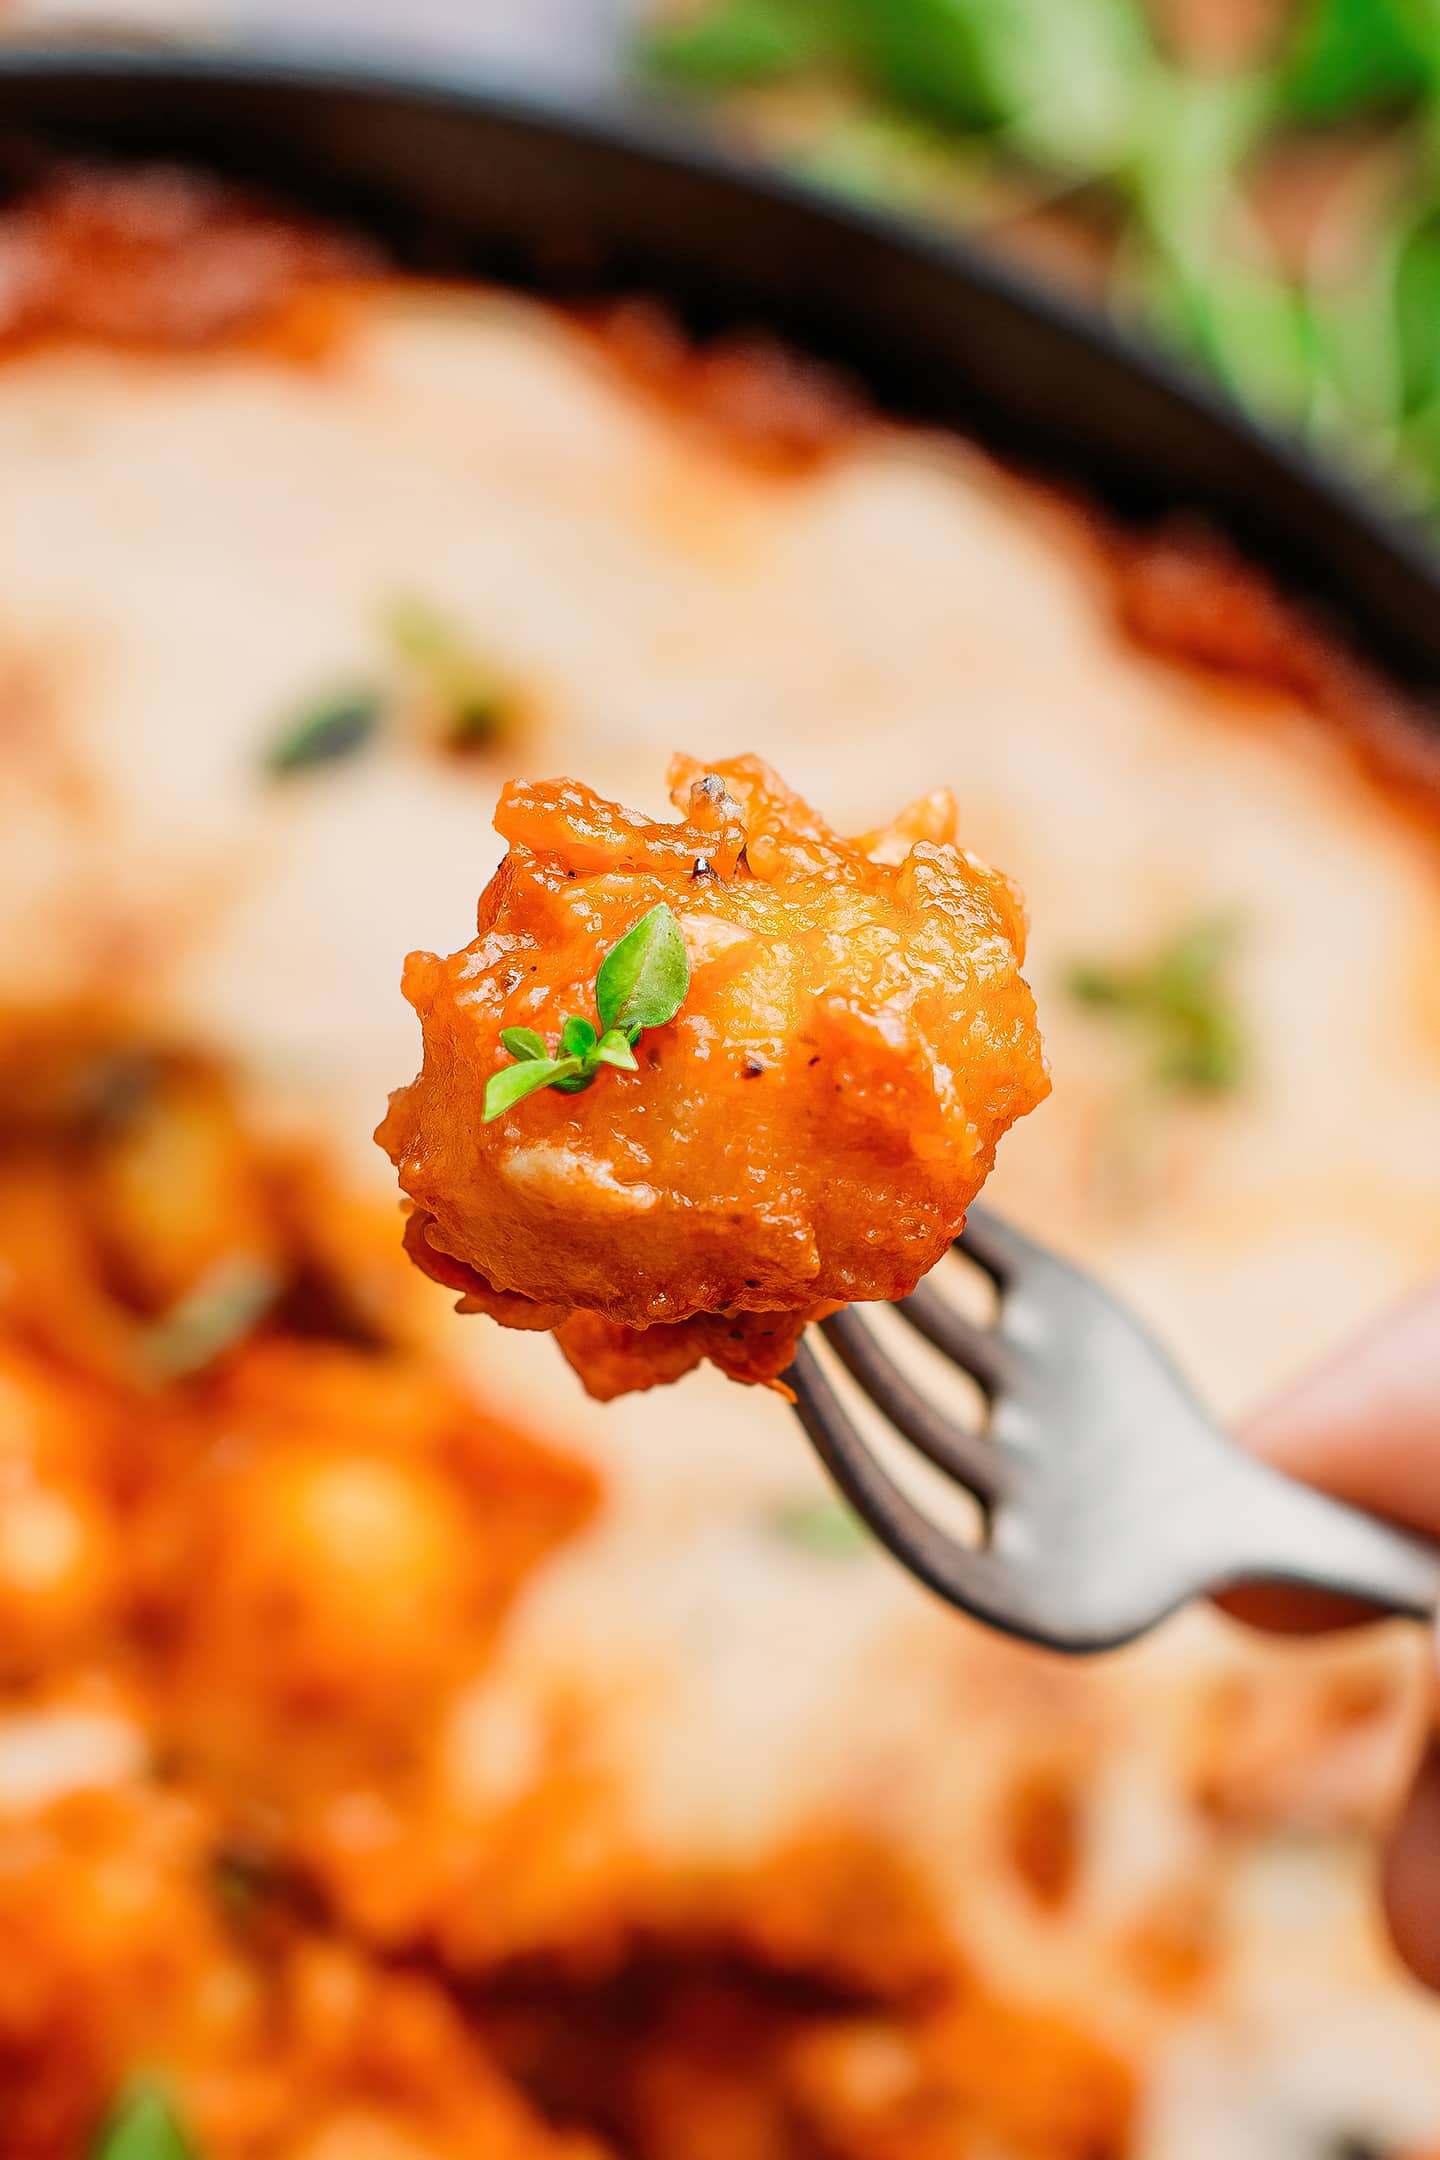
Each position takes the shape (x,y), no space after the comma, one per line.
(1108,1496)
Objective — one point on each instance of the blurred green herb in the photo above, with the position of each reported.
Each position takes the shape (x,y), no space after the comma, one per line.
(467,702)
(241,1879)
(472,705)
(219,1312)
(963,108)
(737,43)
(1353,56)
(827,1527)
(886,158)
(1417,315)
(1179,1005)
(643,982)
(143,2126)
(321,734)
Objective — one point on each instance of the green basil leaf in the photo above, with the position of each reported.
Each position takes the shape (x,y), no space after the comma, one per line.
(614,1049)
(885,157)
(1195,133)
(739,42)
(478,714)
(828,1527)
(1077,77)
(1417,315)
(1103,989)
(421,633)
(1179,1006)
(226,1303)
(524,1043)
(578,1036)
(322,734)
(1351,56)
(143,2126)
(1206,1054)
(514,1082)
(1251,327)
(643,980)
(473,702)
(1186,972)
(935,57)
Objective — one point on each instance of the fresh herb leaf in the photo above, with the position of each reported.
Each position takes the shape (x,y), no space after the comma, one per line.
(1180,1004)
(642,983)
(614,1049)
(934,57)
(1073,79)
(143,2126)
(1196,133)
(1235,311)
(1064,119)
(643,980)
(479,716)
(219,1312)
(827,1527)
(1417,315)
(882,157)
(1251,327)
(514,1082)
(578,1036)
(522,1042)
(472,703)
(1353,56)
(336,728)
(736,44)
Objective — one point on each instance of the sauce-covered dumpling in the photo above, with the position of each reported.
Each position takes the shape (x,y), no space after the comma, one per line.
(850,1037)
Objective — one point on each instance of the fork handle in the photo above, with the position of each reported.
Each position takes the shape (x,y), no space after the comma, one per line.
(1286,1532)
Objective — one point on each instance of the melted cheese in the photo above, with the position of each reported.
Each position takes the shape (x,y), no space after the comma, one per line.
(191,548)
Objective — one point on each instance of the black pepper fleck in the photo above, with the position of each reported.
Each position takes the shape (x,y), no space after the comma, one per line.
(754,1067)
(704,868)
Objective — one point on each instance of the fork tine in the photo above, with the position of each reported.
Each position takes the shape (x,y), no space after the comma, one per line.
(974,1580)
(976,1350)
(963,1456)
(994,1246)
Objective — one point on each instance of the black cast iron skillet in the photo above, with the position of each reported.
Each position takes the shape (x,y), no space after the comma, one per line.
(461,176)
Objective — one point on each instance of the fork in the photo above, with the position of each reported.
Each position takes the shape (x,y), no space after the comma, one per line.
(1108,1497)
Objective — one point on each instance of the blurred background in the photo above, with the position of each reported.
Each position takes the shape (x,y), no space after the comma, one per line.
(1255,182)
(816,1868)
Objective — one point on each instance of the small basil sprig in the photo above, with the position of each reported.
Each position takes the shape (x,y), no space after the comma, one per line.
(143,2126)
(826,1527)
(471,703)
(335,727)
(1181,1004)
(218,1312)
(643,981)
